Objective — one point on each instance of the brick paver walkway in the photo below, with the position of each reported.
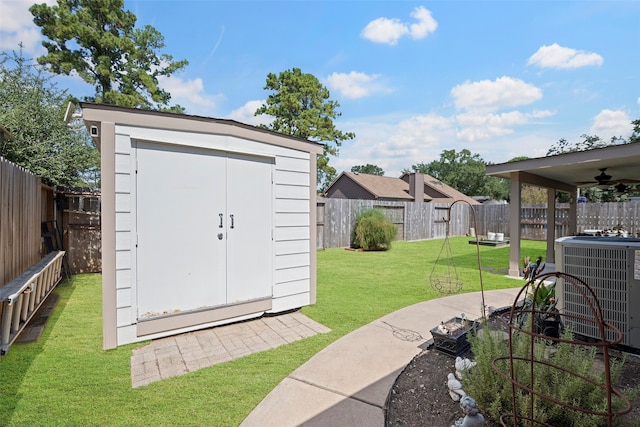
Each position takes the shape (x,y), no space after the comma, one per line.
(180,354)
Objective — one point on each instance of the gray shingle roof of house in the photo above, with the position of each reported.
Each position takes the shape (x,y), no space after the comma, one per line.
(384,187)
(381,186)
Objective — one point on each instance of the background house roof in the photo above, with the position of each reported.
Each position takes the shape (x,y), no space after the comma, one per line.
(437,191)
(384,187)
(381,186)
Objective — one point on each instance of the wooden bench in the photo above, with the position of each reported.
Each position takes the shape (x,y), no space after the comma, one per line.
(21,297)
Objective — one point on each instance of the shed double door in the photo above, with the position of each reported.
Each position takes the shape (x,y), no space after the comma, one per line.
(204,223)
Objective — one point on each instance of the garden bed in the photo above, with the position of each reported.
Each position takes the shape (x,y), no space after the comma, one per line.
(420,396)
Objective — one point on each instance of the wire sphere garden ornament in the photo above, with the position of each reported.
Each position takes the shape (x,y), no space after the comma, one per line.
(444,276)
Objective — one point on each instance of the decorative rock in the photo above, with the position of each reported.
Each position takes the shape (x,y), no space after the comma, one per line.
(455,388)
(463,365)
(473,417)
(442,328)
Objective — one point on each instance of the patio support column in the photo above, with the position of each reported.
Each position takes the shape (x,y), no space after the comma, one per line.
(573,212)
(551,225)
(515,206)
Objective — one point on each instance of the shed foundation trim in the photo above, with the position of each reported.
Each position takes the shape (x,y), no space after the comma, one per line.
(183,320)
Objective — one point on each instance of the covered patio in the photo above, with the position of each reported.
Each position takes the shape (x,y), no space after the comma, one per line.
(619,164)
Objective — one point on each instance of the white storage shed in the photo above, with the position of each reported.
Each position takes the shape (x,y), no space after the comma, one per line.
(204,221)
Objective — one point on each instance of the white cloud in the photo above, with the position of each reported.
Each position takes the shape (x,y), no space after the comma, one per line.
(16,25)
(355,84)
(479,127)
(556,56)
(389,31)
(245,114)
(492,95)
(426,24)
(190,94)
(384,30)
(609,123)
(29,37)
(396,143)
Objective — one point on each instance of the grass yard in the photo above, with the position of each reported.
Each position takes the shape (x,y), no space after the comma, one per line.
(66,379)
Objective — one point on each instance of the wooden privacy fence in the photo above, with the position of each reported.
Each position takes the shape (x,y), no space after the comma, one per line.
(417,221)
(26,277)
(81,229)
(414,221)
(20,216)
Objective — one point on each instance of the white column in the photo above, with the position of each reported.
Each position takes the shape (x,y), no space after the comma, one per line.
(551,224)
(515,206)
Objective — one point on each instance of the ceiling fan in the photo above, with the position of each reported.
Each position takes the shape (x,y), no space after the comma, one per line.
(603,178)
(626,187)
(604,181)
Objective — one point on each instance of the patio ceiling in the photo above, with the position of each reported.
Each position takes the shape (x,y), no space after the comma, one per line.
(564,171)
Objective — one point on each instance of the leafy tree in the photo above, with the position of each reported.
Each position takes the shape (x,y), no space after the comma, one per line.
(32,109)
(301,107)
(533,194)
(368,169)
(466,172)
(98,41)
(635,135)
(591,142)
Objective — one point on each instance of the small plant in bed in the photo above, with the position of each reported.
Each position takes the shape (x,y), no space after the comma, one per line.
(373,231)
(493,393)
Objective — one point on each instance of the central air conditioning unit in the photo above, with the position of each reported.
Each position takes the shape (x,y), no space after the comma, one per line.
(611,268)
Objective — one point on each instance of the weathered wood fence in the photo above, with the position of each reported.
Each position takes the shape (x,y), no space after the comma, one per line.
(81,224)
(27,275)
(21,207)
(417,221)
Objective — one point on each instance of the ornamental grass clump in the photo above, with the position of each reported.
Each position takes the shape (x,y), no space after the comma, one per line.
(494,393)
(373,231)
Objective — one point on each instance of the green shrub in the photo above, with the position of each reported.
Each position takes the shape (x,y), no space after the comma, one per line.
(494,393)
(372,231)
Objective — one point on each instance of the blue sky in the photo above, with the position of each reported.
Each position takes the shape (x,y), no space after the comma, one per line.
(500,78)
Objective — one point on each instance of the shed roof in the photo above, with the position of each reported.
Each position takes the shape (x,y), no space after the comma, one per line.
(94,114)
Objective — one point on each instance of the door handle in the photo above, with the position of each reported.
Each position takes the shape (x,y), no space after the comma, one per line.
(231,216)
(221,215)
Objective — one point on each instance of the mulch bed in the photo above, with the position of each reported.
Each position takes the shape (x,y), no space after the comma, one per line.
(420,395)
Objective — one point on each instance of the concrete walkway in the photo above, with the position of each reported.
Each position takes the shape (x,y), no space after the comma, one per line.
(181,354)
(347,383)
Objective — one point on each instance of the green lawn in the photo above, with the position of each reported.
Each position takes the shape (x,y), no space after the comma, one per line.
(67,379)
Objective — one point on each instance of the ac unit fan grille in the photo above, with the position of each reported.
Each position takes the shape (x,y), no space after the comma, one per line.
(605,271)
